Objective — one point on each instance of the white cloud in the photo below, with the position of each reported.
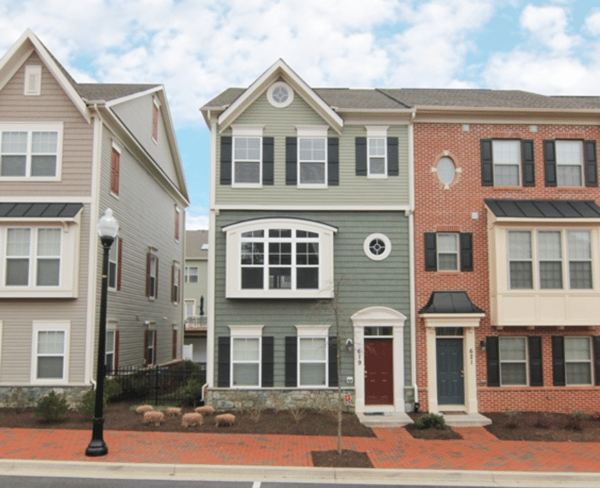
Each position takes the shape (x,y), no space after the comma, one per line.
(547,26)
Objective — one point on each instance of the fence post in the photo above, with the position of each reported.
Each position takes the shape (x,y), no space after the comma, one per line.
(156,385)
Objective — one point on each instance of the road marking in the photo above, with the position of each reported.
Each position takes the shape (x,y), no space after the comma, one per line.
(256,484)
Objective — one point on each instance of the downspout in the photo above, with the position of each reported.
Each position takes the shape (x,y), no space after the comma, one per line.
(411,236)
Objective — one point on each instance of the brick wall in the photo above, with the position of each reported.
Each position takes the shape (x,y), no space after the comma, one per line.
(438,209)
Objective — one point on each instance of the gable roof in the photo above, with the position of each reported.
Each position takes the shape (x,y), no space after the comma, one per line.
(196,242)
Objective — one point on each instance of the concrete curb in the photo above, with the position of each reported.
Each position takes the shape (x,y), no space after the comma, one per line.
(345,476)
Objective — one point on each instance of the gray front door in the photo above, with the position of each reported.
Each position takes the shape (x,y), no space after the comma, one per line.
(450,372)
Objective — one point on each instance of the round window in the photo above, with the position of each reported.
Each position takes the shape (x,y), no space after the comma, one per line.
(280,94)
(446,170)
(377,247)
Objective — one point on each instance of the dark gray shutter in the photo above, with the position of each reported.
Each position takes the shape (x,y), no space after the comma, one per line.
(430,252)
(224,345)
(591,164)
(360,148)
(333,369)
(558,360)
(392,154)
(291,161)
(536,374)
(493,361)
(596,346)
(267,361)
(549,163)
(291,361)
(333,161)
(225,160)
(268,161)
(487,163)
(466,251)
(528,163)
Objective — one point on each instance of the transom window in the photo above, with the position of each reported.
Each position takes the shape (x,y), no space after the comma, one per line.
(569,163)
(537,259)
(513,360)
(507,162)
(578,361)
(33,153)
(312,161)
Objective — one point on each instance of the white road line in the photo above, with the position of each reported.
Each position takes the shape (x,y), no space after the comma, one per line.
(256,484)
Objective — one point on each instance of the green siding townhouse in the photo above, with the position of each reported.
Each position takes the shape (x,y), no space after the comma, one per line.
(309,246)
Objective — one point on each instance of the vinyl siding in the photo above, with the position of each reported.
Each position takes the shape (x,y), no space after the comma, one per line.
(352,190)
(145,212)
(364,283)
(193,291)
(53,105)
(137,115)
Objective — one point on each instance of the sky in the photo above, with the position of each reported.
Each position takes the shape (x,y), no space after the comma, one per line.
(199,48)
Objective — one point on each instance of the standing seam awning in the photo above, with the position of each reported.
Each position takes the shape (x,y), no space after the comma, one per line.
(455,302)
(40,210)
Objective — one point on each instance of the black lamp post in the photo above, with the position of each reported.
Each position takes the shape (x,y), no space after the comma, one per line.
(107,230)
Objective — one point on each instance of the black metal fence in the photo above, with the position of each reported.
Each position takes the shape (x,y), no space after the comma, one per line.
(175,384)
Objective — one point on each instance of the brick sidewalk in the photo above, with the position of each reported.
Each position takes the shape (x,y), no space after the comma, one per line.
(393,448)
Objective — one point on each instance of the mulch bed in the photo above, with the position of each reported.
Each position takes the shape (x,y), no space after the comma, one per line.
(433,434)
(348,459)
(120,416)
(548,427)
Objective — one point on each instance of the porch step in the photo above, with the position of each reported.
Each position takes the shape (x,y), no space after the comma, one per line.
(466,420)
(387,419)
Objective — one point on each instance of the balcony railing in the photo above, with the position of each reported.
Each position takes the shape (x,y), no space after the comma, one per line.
(193,322)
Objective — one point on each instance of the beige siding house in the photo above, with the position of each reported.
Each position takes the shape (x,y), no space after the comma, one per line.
(69,151)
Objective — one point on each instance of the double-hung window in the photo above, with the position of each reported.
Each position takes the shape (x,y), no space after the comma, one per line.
(31,151)
(110,350)
(537,259)
(377,152)
(569,163)
(285,258)
(151,274)
(513,360)
(114,264)
(447,252)
(312,156)
(247,156)
(246,356)
(33,257)
(175,283)
(50,351)
(191,274)
(313,358)
(507,162)
(578,361)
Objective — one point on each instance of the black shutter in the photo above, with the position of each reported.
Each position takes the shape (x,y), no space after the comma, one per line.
(487,163)
(224,361)
(392,154)
(558,360)
(333,161)
(591,164)
(268,161)
(333,369)
(430,252)
(528,163)
(291,161)
(466,251)
(225,160)
(360,146)
(536,375)
(549,163)
(291,361)
(493,361)
(596,346)
(267,361)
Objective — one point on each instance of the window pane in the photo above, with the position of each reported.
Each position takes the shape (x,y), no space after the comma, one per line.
(519,245)
(513,374)
(307,278)
(377,146)
(549,246)
(447,262)
(447,242)
(247,148)
(48,272)
(568,175)
(506,152)
(280,233)
(579,245)
(50,367)
(377,166)
(312,349)
(247,172)
(18,242)
(253,253)
(512,348)
(51,342)
(520,275)
(569,152)
(49,242)
(252,278)
(280,278)
(551,275)
(13,166)
(280,253)
(312,149)
(245,349)
(578,373)
(446,170)
(312,374)
(307,253)
(312,173)
(17,272)
(580,275)
(506,175)
(14,142)
(245,374)
(44,142)
(577,349)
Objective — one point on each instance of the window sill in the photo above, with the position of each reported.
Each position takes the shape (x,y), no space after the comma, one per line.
(280,294)
(31,293)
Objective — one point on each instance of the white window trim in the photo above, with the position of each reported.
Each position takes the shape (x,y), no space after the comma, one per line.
(580,164)
(520,164)
(313,332)
(233,259)
(246,131)
(177,235)
(377,132)
(274,102)
(246,332)
(590,362)
(69,261)
(535,260)
(188,275)
(437,252)
(386,252)
(514,361)
(30,127)
(51,326)
(311,132)
(33,80)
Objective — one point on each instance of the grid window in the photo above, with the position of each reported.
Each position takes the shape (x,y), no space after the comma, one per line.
(513,360)
(33,257)
(578,361)
(580,259)
(520,260)
(312,157)
(550,260)
(447,252)
(507,162)
(29,154)
(247,157)
(377,156)
(312,361)
(191,274)
(245,361)
(569,163)
(152,278)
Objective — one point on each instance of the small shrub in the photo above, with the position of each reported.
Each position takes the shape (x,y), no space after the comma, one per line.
(87,406)
(51,407)
(298,413)
(255,413)
(154,417)
(193,390)
(142,409)
(430,421)
(576,418)
(224,420)
(17,399)
(513,419)
(542,420)
(112,389)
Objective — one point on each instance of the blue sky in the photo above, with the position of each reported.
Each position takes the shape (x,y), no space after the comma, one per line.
(198,48)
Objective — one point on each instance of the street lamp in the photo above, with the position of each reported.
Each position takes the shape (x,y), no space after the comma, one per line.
(107,230)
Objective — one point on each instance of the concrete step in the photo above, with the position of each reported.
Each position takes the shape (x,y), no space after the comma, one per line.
(466,420)
(384,419)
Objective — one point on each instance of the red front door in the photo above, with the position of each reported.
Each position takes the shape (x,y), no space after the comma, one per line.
(379,376)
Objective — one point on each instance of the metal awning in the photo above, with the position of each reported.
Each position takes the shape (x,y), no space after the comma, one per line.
(455,302)
(39,210)
(544,209)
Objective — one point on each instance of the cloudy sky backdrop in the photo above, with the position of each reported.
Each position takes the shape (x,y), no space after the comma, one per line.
(198,48)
